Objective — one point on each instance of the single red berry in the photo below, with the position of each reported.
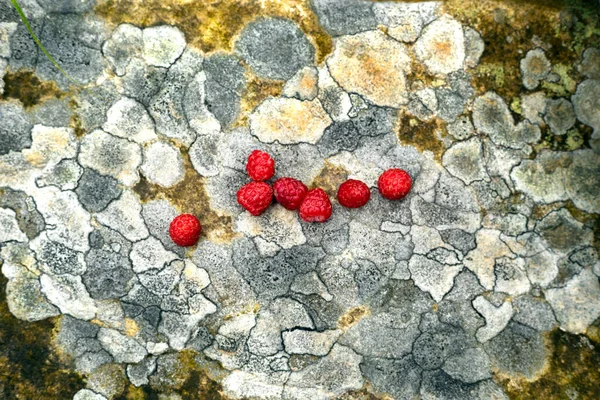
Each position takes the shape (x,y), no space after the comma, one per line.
(260,166)
(289,192)
(353,193)
(255,197)
(316,206)
(185,230)
(394,184)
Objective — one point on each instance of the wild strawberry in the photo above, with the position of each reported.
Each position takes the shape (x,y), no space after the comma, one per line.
(255,197)
(353,194)
(260,166)
(289,192)
(185,230)
(394,184)
(316,206)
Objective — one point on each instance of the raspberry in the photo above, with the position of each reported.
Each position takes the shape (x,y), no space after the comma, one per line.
(289,192)
(353,194)
(260,166)
(255,197)
(316,206)
(185,230)
(394,184)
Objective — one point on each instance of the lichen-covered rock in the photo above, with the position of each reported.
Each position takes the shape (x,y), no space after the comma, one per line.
(69,294)
(534,68)
(129,119)
(275,48)
(441,46)
(110,155)
(277,225)
(124,216)
(586,102)
(303,85)
(158,155)
(15,132)
(465,161)
(474,47)
(496,318)
(378,74)
(289,121)
(162,45)
(404,21)
(124,43)
(560,116)
(123,348)
(96,191)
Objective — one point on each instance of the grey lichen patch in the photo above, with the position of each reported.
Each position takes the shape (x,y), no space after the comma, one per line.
(189,196)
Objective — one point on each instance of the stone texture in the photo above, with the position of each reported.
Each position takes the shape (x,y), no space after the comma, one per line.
(534,68)
(344,18)
(124,216)
(289,121)
(560,116)
(156,157)
(379,74)
(124,43)
(129,119)
(465,161)
(275,48)
(96,191)
(309,342)
(474,46)
(110,155)
(124,349)
(68,293)
(496,318)
(162,45)
(433,277)
(441,46)
(277,225)
(15,134)
(303,85)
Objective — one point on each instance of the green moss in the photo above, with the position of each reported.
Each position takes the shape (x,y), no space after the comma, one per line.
(24,86)
(28,368)
(515,105)
(572,372)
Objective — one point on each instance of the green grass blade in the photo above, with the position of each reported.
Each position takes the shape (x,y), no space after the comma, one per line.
(39,43)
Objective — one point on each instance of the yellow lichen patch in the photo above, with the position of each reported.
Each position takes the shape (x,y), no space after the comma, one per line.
(248,309)
(352,316)
(24,86)
(330,178)
(563,28)
(423,135)
(190,197)
(366,393)
(29,369)
(131,327)
(75,121)
(256,90)
(213,25)
(572,368)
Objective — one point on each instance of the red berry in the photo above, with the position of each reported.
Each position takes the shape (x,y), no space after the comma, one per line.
(185,230)
(289,192)
(353,194)
(260,166)
(255,197)
(316,206)
(394,184)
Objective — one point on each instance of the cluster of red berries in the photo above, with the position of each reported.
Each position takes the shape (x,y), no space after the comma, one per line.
(313,205)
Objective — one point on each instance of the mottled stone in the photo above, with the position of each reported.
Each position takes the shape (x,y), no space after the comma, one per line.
(334,99)
(560,116)
(474,46)
(6,31)
(123,215)
(108,274)
(67,6)
(481,260)
(582,180)
(574,304)
(400,378)
(96,191)
(344,18)
(433,277)
(441,46)
(162,45)
(374,245)
(563,232)
(289,121)
(124,43)
(534,68)
(158,215)
(68,293)
(24,297)
(433,215)
(86,394)
(110,155)
(543,178)
(518,351)
(303,85)
(534,312)
(129,119)
(310,283)
(70,221)
(404,21)
(138,373)
(10,227)
(163,164)
(275,48)
(123,348)
(465,161)
(65,175)
(337,137)
(277,225)
(142,81)
(378,74)
(309,342)
(471,366)
(590,63)
(15,131)
(56,258)
(331,376)
(533,107)
(496,318)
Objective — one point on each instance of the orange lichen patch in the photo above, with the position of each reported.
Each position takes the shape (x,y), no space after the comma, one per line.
(423,135)
(563,28)
(29,369)
(24,86)
(352,316)
(571,369)
(330,178)
(189,196)
(256,90)
(213,25)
